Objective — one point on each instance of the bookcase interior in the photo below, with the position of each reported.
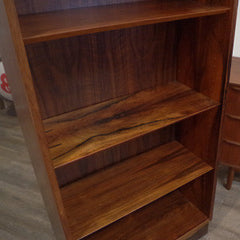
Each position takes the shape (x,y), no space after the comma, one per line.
(129,94)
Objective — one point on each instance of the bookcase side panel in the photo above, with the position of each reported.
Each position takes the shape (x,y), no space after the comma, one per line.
(16,65)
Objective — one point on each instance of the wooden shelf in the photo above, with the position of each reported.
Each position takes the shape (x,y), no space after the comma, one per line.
(78,134)
(162,220)
(102,198)
(74,22)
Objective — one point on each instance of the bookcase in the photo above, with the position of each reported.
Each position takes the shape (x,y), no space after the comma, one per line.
(120,103)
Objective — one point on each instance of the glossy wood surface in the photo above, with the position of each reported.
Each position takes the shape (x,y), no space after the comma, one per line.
(69,23)
(77,72)
(78,134)
(202,55)
(101,92)
(19,76)
(200,135)
(105,197)
(76,170)
(161,220)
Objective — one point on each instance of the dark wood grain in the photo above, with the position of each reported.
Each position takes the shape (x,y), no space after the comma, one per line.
(76,170)
(78,134)
(77,72)
(17,68)
(105,197)
(203,65)
(161,220)
(69,23)
(200,134)
(100,92)
(203,55)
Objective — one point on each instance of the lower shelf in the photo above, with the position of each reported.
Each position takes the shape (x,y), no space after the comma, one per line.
(103,198)
(169,218)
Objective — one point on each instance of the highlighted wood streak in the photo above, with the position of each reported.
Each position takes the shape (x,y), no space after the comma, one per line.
(80,133)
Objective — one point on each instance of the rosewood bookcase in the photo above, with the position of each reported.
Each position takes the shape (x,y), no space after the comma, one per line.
(120,103)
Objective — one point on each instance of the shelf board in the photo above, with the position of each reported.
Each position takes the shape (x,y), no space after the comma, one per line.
(74,22)
(78,134)
(103,198)
(168,218)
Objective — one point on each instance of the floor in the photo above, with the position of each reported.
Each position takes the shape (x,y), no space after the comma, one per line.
(22,212)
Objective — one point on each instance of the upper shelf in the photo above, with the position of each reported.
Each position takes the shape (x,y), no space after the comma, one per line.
(78,134)
(74,22)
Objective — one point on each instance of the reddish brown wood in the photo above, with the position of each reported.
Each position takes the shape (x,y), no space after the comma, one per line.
(200,135)
(235,72)
(78,134)
(89,69)
(230,178)
(128,186)
(231,128)
(230,147)
(165,218)
(203,65)
(233,100)
(147,69)
(69,23)
(16,65)
(79,169)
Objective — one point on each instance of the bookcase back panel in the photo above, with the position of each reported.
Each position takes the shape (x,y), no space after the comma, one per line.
(36,6)
(77,72)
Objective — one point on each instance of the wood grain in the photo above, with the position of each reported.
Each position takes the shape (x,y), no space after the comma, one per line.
(81,133)
(77,72)
(161,220)
(111,194)
(17,68)
(76,170)
(200,134)
(74,22)
(204,51)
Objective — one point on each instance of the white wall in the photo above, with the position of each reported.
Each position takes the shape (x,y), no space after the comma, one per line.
(236,49)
